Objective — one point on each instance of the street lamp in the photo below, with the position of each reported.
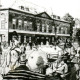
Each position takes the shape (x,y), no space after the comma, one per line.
(55,36)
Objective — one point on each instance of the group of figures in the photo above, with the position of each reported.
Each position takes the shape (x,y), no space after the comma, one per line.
(65,67)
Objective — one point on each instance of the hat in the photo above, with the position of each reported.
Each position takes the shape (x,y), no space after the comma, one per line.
(74,60)
(14,33)
(18,50)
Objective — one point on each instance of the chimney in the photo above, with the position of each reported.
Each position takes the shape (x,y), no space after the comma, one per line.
(0,4)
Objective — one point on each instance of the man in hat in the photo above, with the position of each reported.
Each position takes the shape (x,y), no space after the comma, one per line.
(15,42)
(0,52)
(74,69)
(14,50)
(60,68)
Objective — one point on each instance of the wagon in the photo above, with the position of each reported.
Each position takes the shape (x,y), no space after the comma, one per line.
(23,74)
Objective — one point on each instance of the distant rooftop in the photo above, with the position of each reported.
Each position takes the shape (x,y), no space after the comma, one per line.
(24,6)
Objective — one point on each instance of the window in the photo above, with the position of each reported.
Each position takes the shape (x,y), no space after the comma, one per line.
(47,28)
(38,27)
(3,24)
(22,7)
(20,24)
(29,26)
(53,31)
(65,30)
(25,25)
(59,30)
(42,27)
(0,38)
(14,23)
(27,9)
(54,16)
(58,17)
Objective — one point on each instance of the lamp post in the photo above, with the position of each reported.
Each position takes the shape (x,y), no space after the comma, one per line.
(55,36)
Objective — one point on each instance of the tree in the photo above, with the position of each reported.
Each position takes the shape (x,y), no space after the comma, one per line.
(71,27)
(76,28)
(78,35)
(69,18)
(77,22)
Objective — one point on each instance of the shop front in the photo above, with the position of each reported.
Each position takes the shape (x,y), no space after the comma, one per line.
(36,38)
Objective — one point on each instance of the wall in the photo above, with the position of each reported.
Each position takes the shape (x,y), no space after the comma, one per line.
(4,25)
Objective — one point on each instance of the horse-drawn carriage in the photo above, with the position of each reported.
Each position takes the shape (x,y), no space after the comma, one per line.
(33,69)
(29,66)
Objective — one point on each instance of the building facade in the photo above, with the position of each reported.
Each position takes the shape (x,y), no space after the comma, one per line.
(35,28)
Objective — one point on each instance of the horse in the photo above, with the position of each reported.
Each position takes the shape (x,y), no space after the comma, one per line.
(11,61)
(37,60)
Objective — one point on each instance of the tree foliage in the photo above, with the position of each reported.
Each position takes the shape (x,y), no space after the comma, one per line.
(78,35)
(68,17)
(77,21)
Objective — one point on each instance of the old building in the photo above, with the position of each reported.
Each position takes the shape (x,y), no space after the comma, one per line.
(35,28)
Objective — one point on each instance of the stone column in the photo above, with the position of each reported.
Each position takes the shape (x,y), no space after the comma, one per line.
(24,39)
(19,38)
(29,39)
(65,30)
(42,27)
(61,30)
(3,38)
(57,29)
(47,28)
(52,39)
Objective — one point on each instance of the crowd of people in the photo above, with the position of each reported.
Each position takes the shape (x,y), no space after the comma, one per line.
(65,67)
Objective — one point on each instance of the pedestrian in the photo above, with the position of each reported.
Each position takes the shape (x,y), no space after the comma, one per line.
(0,52)
(15,42)
(74,70)
(23,49)
(60,68)
(15,52)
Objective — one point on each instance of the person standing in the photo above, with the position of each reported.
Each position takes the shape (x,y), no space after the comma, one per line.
(15,41)
(60,68)
(74,70)
(0,52)
(14,50)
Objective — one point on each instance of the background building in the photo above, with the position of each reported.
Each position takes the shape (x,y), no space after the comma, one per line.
(35,28)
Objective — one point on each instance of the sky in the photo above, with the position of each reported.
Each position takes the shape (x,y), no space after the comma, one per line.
(56,7)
